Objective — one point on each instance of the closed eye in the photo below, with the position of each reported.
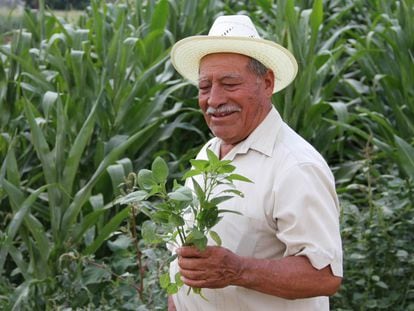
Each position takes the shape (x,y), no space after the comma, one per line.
(231,86)
(204,89)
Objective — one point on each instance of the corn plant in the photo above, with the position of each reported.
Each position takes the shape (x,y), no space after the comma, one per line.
(386,111)
(79,104)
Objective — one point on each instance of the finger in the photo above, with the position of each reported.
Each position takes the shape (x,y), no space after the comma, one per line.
(193,274)
(191,263)
(191,251)
(202,283)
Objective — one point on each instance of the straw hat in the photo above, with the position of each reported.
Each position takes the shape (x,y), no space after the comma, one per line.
(234,34)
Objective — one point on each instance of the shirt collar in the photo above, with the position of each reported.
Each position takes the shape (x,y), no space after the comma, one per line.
(262,139)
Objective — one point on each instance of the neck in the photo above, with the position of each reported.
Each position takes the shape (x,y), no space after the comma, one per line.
(225,149)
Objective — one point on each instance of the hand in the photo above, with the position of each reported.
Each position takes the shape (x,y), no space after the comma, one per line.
(215,267)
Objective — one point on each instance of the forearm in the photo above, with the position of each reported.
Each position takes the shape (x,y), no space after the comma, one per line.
(291,277)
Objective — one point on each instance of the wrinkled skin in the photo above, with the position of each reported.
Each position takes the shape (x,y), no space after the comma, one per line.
(216,267)
(244,99)
(291,277)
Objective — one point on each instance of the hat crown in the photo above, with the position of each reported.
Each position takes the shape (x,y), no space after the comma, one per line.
(234,26)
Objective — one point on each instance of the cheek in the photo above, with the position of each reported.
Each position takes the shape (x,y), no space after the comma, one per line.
(203,106)
(202,103)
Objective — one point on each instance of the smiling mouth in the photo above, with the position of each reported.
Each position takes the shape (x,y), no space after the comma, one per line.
(223,114)
(222,111)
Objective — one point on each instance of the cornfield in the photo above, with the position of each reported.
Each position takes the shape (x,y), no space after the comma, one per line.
(85,103)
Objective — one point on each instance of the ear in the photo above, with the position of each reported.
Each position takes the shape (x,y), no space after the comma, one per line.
(269,82)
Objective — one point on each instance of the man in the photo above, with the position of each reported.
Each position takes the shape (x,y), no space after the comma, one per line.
(284,251)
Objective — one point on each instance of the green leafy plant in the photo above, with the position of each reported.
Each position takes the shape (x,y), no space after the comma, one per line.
(185,216)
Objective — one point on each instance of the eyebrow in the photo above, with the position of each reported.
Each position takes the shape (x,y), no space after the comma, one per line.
(225,76)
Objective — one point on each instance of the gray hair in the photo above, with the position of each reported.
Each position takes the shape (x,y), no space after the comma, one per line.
(257,67)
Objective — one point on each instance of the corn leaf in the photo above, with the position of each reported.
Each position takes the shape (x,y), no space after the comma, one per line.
(109,228)
(405,153)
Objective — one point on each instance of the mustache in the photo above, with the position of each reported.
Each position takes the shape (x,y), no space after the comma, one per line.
(225,108)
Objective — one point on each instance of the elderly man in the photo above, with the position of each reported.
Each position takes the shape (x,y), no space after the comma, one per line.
(283,252)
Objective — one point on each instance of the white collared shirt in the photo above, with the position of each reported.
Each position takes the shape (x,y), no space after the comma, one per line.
(290,209)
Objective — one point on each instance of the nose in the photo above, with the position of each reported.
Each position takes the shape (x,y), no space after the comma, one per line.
(217,96)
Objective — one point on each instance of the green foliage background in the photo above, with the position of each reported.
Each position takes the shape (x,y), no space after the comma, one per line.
(84,104)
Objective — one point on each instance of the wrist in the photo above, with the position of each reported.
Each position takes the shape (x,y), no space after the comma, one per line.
(241,278)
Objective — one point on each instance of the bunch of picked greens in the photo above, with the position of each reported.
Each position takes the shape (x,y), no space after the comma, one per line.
(184,216)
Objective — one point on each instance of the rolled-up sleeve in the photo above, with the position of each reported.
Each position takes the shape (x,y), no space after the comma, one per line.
(306,212)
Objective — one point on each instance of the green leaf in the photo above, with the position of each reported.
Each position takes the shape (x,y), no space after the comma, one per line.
(290,11)
(121,243)
(196,238)
(221,211)
(88,221)
(40,144)
(266,5)
(208,217)
(160,170)
(133,197)
(195,234)
(197,291)
(117,174)
(218,200)
(107,230)
(213,159)
(161,216)
(149,232)
(94,275)
(160,17)
(49,99)
(178,279)
(78,147)
(165,280)
(226,168)
(20,295)
(172,289)
(146,179)
(216,238)
(181,194)
(11,166)
(192,173)
(199,164)
(201,244)
(238,177)
(234,191)
(316,18)
(176,220)
(23,214)
(405,153)
(198,190)
(84,193)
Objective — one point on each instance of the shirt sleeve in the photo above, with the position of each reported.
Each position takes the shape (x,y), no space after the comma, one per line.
(307,216)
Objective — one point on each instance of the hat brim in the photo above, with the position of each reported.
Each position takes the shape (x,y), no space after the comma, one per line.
(187,53)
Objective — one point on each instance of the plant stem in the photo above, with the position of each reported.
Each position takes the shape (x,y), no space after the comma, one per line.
(181,234)
(138,252)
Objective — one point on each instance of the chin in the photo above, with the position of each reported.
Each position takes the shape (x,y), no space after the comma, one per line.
(223,136)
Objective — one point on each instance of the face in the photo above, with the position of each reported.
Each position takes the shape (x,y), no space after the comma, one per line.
(234,100)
